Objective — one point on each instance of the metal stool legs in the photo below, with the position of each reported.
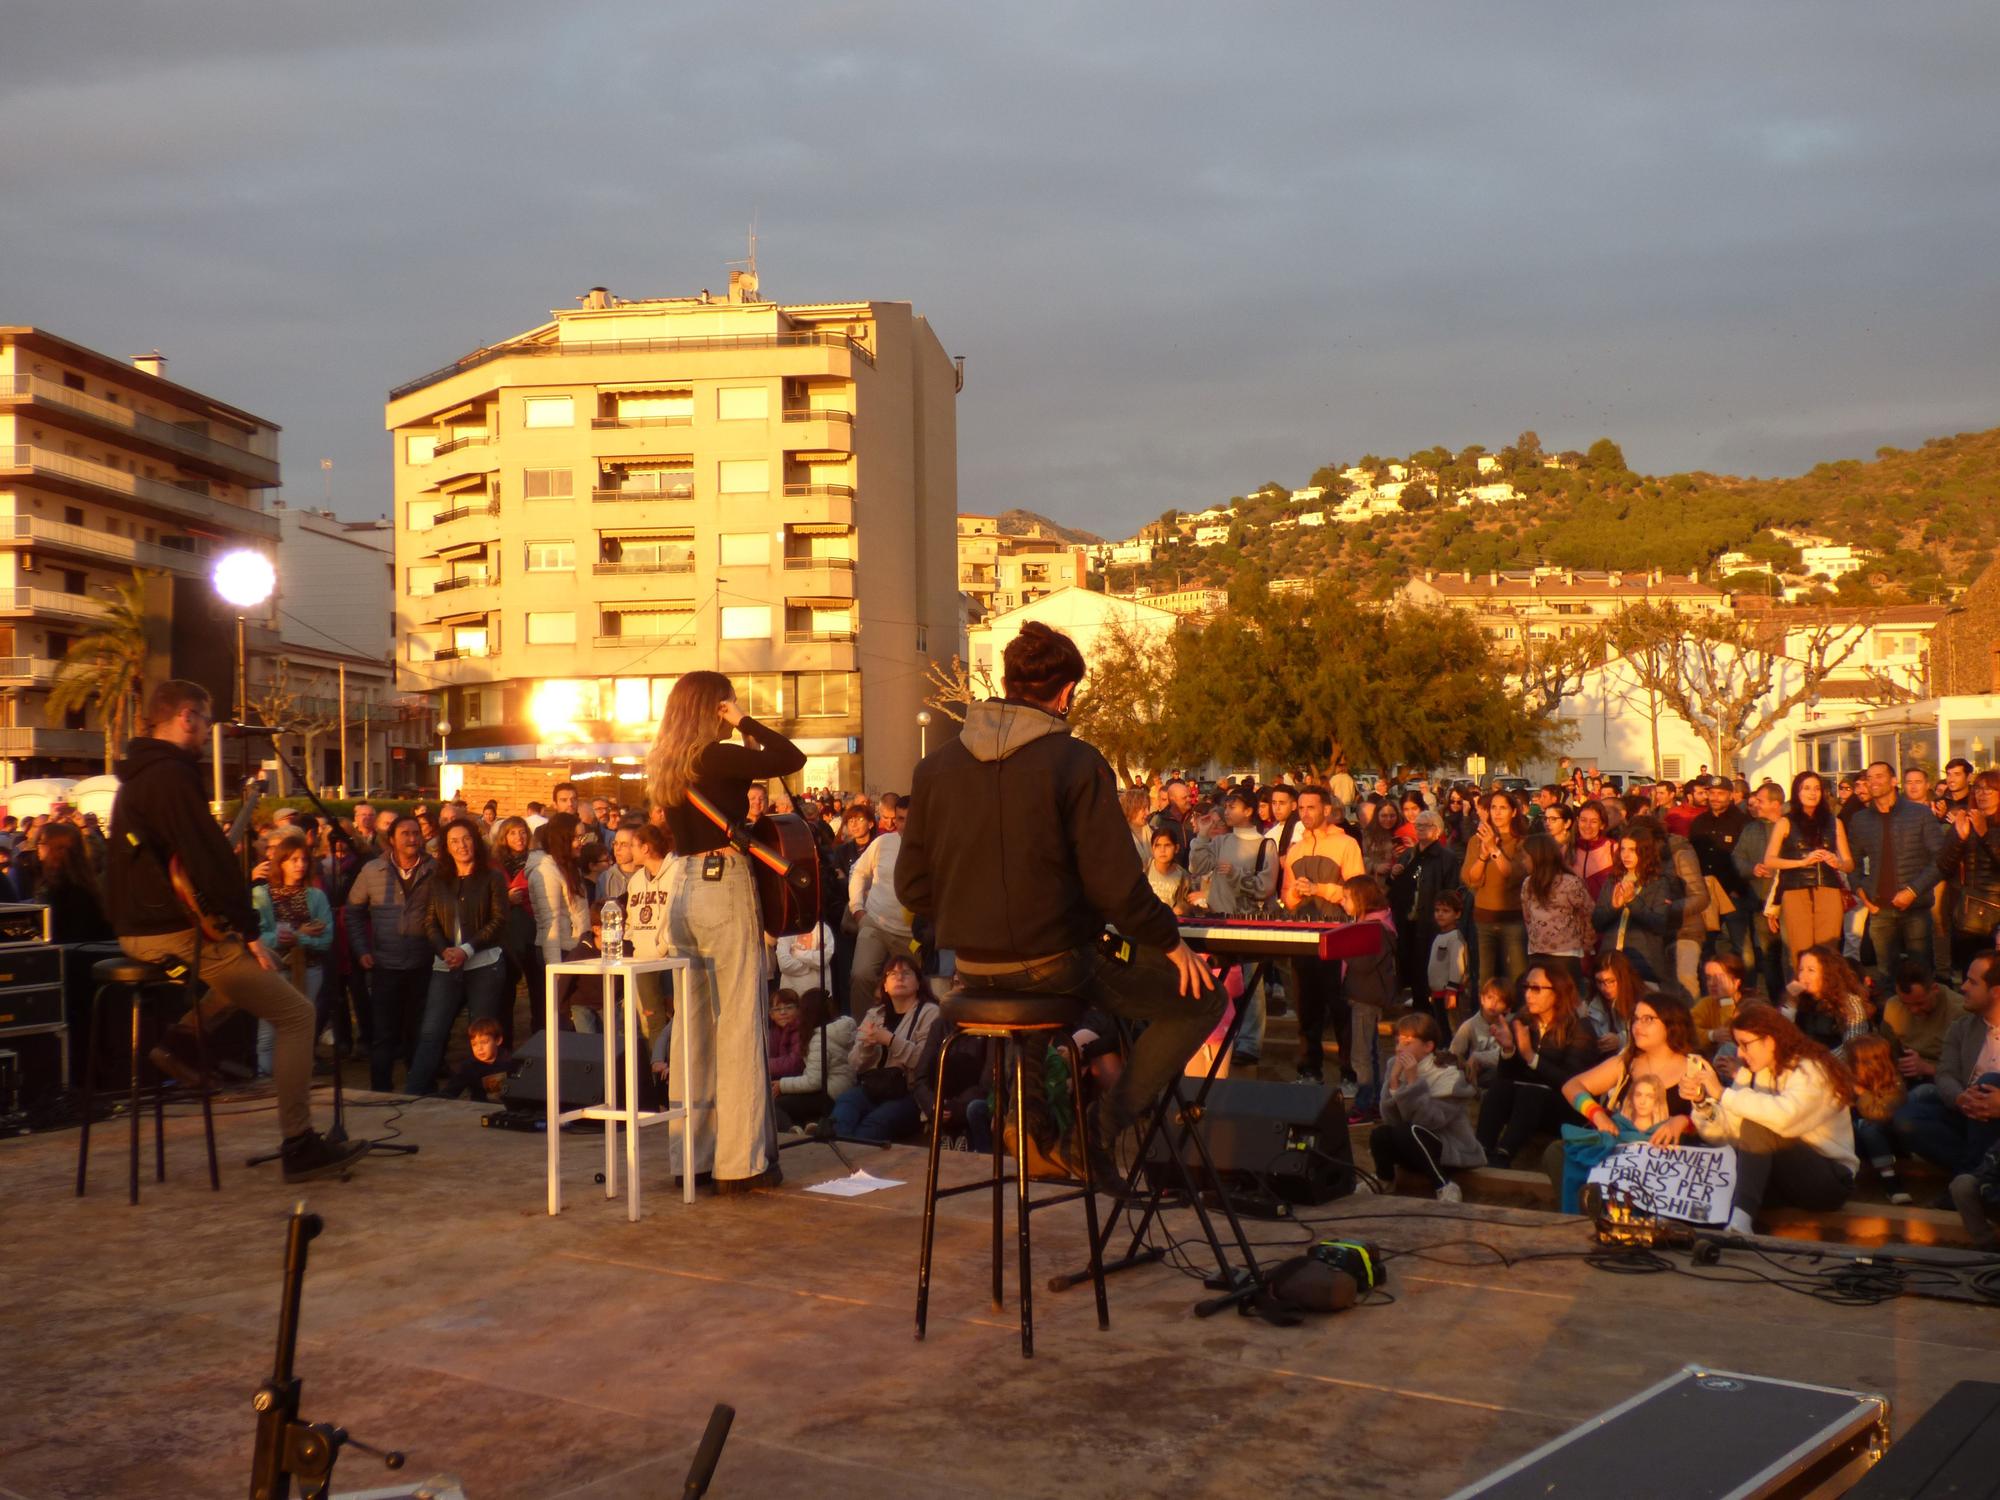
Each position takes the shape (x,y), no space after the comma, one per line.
(137,996)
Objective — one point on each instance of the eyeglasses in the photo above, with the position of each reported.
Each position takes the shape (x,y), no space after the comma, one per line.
(1541,989)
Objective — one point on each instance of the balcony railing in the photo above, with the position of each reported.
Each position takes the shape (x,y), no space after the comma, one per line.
(633,495)
(799,491)
(800,637)
(459,512)
(797,340)
(98,543)
(28,668)
(22,740)
(613,642)
(818,414)
(808,564)
(49,602)
(150,491)
(464,653)
(624,569)
(606,424)
(454,444)
(464,581)
(261,468)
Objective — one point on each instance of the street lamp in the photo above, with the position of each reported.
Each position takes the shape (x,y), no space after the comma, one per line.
(243,580)
(923,732)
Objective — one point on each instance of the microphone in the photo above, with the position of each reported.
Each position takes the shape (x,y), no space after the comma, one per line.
(238,730)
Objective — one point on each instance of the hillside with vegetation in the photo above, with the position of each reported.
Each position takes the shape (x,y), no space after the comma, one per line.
(1019,522)
(1925,513)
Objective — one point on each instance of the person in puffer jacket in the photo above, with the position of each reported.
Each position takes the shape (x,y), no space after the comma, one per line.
(1424,1126)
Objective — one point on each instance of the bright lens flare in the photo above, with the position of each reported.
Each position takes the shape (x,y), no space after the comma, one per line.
(244,578)
(556,708)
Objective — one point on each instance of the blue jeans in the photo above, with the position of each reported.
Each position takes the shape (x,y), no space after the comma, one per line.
(1250,1034)
(1897,935)
(482,991)
(1926,1127)
(1503,950)
(858,1117)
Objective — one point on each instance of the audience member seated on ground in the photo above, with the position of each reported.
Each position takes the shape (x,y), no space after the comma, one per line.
(1166,875)
(1956,1121)
(805,960)
(1476,1044)
(1787,1114)
(1445,970)
(826,1037)
(784,1044)
(465,921)
(886,1102)
(1725,990)
(484,1074)
(1369,985)
(1976,1196)
(1917,1017)
(67,885)
(1619,988)
(1639,909)
(1424,1125)
(1539,1053)
(1832,999)
(1878,1096)
(1634,1095)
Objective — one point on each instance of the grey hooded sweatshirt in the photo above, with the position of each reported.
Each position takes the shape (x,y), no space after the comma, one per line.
(1016,846)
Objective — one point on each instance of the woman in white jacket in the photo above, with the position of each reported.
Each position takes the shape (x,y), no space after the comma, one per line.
(1787,1115)
(1425,1125)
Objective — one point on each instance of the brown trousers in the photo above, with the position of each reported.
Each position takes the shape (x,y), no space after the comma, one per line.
(1808,917)
(236,981)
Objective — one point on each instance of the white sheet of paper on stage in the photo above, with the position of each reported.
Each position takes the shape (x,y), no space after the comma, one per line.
(1694,1184)
(853,1187)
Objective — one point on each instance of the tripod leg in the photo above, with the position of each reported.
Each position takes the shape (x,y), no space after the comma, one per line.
(1021,1194)
(132,993)
(1068,1044)
(89,1091)
(930,1193)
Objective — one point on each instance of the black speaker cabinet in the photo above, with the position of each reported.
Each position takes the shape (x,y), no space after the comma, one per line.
(1285,1140)
(579,1072)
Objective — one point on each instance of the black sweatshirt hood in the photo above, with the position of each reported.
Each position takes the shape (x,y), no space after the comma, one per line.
(998,727)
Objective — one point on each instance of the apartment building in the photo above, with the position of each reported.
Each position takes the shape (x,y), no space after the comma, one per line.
(639,488)
(108,468)
(1547,603)
(998,572)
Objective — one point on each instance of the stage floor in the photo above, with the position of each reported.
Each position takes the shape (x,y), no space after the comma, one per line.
(446,1314)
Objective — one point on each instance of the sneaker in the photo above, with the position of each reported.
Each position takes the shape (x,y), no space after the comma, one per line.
(183,1072)
(1900,1197)
(1450,1193)
(1349,1089)
(1363,1116)
(1243,1059)
(311,1155)
(1310,1075)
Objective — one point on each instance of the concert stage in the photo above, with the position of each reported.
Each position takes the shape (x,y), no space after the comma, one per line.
(447,1315)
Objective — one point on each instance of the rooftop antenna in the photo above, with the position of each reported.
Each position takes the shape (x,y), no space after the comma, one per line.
(743,273)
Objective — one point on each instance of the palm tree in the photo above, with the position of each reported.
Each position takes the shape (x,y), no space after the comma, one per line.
(106,668)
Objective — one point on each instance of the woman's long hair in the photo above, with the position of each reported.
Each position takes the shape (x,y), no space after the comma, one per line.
(1545,866)
(280,849)
(1640,832)
(1794,1047)
(1630,988)
(447,866)
(1677,1020)
(1566,1008)
(1814,830)
(1846,999)
(503,853)
(558,837)
(689,725)
(64,861)
(1879,1090)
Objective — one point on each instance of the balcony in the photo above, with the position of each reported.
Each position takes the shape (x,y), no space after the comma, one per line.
(630,569)
(460,512)
(619,424)
(453,445)
(640,495)
(465,653)
(804,491)
(819,429)
(819,414)
(95,480)
(68,743)
(648,642)
(797,339)
(48,602)
(240,462)
(27,671)
(803,564)
(460,457)
(57,537)
(809,637)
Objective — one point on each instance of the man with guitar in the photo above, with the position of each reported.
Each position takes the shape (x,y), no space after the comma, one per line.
(175,886)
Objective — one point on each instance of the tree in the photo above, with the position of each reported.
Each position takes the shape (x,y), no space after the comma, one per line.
(955,688)
(1529,446)
(1605,456)
(1117,708)
(106,668)
(1553,668)
(1417,496)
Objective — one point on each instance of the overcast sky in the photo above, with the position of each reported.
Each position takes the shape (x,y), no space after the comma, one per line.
(1184,249)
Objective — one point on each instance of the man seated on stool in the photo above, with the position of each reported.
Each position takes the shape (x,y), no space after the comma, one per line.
(1018,852)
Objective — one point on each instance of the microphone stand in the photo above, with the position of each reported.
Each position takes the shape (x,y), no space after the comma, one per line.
(336,1133)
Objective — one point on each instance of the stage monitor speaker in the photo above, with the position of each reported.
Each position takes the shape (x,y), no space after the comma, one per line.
(579,1072)
(1286,1140)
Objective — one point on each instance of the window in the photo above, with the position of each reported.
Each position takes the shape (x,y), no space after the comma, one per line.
(656,406)
(546,484)
(551,628)
(760,694)
(552,557)
(649,622)
(746,549)
(419,448)
(72,581)
(820,695)
(474,707)
(548,411)
(470,640)
(743,476)
(632,701)
(743,403)
(424,512)
(746,622)
(73,515)
(72,381)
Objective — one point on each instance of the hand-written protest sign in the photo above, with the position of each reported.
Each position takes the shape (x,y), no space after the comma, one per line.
(1694,1184)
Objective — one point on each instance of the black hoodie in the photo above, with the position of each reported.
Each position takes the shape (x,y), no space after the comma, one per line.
(1016,846)
(162,812)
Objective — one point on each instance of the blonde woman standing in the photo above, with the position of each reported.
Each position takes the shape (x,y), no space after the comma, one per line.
(712,920)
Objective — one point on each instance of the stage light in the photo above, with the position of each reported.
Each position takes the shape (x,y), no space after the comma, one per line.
(244,579)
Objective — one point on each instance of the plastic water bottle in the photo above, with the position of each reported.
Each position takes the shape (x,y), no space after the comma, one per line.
(612,922)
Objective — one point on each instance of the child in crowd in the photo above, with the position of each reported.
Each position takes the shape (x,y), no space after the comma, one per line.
(1167,876)
(484,1074)
(1424,1125)
(784,1046)
(1446,969)
(1476,1044)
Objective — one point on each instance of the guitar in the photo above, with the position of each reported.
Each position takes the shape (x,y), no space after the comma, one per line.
(784,859)
(213,928)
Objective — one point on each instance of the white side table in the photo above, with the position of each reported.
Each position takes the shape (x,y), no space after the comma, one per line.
(620,976)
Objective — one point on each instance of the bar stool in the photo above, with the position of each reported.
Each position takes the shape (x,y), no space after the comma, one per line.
(1004,1020)
(140,983)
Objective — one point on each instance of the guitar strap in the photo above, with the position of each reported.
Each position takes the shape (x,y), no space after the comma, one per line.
(739,836)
